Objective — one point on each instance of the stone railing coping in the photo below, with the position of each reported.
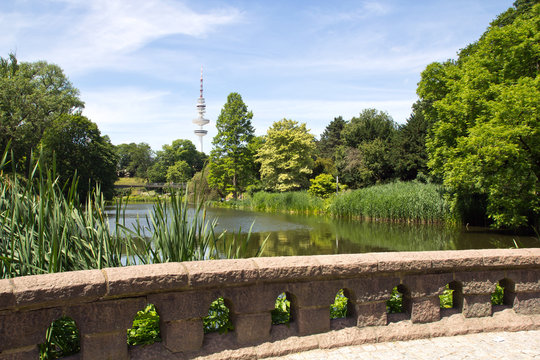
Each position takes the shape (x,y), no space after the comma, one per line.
(85,286)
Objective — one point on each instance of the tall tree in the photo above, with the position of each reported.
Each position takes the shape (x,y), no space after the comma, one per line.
(286,156)
(331,138)
(78,149)
(409,145)
(485,139)
(32,95)
(231,160)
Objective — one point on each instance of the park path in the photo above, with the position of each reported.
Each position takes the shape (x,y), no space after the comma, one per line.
(521,345)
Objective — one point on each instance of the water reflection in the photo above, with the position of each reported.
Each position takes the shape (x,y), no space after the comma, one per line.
(314,235)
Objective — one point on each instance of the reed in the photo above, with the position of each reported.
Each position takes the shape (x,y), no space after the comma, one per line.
(403,201)
(297,202)
(44,228)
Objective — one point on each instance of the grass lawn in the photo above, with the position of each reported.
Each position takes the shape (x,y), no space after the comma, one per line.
(130,181)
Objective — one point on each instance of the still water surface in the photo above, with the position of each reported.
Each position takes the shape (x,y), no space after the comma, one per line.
(316,235)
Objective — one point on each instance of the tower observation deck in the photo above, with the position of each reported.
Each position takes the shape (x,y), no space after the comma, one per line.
(200,120)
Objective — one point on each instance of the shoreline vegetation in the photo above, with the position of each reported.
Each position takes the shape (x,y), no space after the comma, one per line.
(409,202)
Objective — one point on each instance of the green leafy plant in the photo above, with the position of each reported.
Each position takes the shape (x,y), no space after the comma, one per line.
(322,186)
(497,297)
(339,308)
(395,303)
(145,328)
(447,298)
(218,318)
(61,339)
(282,312)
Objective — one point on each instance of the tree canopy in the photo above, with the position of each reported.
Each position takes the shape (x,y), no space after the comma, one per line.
(32,95)
(231,160)
(181,150)
(76,147)
(485,138)
(286,156)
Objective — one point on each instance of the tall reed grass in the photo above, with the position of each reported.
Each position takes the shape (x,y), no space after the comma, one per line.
(404,201)
(298,202)
(44,228)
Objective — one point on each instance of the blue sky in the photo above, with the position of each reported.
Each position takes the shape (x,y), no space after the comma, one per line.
(137,62)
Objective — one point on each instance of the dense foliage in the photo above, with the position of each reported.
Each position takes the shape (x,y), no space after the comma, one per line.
(177,162)
(75,146)
(485,138)
(286,156)
(231,159)
(32,96)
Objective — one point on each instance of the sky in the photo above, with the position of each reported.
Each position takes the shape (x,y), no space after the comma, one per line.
(137,62)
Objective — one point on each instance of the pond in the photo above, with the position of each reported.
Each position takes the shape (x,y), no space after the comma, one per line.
(290,234)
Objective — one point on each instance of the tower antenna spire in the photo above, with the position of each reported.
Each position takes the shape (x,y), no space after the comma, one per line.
(200,120)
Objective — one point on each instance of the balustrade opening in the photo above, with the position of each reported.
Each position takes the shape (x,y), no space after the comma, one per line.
(282,311)
(145,328)
(62,338)
(218,319)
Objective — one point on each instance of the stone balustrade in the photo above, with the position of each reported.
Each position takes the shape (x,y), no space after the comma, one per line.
(103,303)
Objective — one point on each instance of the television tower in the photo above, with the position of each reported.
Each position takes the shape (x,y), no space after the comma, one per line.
(201,109)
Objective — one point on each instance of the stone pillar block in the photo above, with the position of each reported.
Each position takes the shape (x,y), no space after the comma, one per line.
(252,328)
(105,346)
(25,328)
(426,309)
(371,314)
(477,305)
(527,303)
(183,335)
(312,320)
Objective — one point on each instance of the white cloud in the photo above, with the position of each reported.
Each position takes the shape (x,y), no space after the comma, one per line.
(106,33)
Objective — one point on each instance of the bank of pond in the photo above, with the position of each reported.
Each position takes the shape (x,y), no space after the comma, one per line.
(413,201)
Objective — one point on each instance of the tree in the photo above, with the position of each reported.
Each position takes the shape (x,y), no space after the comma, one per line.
(180,172)
(134,159)
(322,186)
(331,138)
(179,150)
(75,145)
(32,96)
(408,147)
(365,157)
(231,160)
(485,139)
(286,156)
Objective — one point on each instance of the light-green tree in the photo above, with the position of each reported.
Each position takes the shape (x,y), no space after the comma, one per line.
(485,141)
(231,167)
(322,186)
(286,156)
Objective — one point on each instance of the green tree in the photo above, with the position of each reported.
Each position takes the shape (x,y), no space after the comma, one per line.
(231,160)
(331,138)
(409,155)
(286,156)
(485,139)
(32,96)
(180,172)
(365,158)
(134,159)
(179,150)
(322,186)
(77,148)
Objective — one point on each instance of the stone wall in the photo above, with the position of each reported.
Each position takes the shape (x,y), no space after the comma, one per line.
(104,302)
